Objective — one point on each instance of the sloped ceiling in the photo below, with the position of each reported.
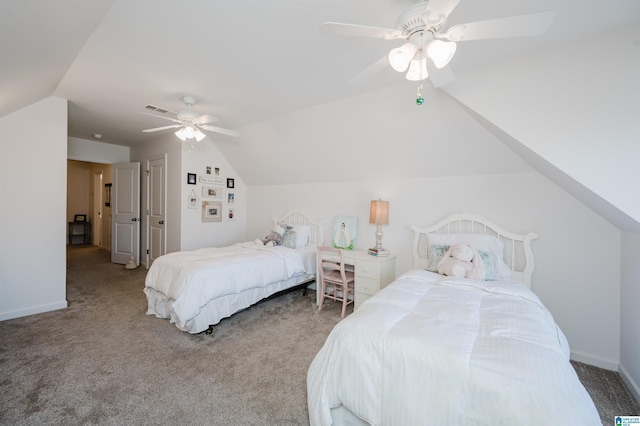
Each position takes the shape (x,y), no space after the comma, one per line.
(262,67)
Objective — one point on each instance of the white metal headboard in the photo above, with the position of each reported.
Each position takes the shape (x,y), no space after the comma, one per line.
(517,247)
(298,217)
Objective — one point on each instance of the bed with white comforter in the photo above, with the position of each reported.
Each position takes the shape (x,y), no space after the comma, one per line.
(198,288)
(435,350)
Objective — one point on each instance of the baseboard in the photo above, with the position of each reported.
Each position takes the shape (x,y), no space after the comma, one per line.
(596,362)
(631,384)
(32,310)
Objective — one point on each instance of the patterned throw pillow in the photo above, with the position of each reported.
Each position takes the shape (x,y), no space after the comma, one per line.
(289,239)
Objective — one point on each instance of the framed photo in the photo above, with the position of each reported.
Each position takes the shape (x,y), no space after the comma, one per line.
(216,171)
(231,198)
(191,178)
(211,192)
(345,229)
(231,183)
(211,211)
(80,218)
(231,213)
(107,194)
(208,170)
(192,201)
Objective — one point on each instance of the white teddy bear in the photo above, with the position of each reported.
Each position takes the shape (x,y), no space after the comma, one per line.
(461,260)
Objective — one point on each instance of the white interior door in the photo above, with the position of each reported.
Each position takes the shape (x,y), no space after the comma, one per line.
(125,202)
(157,208)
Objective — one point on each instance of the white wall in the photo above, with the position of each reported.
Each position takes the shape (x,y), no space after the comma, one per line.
(97,152)
(198,234)
(630,313)
(33,226)
(572,238)
(184,226)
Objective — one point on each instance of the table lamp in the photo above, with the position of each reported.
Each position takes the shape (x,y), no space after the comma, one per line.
(379,215)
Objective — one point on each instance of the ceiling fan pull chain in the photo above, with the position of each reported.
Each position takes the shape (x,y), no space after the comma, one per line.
(419,98)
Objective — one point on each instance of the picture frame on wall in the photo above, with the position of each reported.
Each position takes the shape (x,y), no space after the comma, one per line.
(345,229)
(192,201)
(107,194)
(231,198)
(211,211)
(191,178)
(231,183)
(211,192)
(231,213)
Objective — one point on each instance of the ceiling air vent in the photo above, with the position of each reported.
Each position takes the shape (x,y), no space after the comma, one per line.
(156,109)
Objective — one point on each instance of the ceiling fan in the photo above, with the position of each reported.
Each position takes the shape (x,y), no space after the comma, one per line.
(190,122)
(429,46)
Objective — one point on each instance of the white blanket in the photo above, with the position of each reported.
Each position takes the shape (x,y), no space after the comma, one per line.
(192,278)
(431,350)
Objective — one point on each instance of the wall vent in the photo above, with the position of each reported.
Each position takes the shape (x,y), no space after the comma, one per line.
(157,109)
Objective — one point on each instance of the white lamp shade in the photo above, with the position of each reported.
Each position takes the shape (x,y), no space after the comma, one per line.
(189,132)
(199,135)
(180,134)
(400,57)
(441,52)
(417,70)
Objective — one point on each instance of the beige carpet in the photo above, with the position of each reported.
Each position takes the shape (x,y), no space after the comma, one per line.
(103,361)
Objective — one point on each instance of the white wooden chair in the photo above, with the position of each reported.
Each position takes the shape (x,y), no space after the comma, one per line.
(336,283)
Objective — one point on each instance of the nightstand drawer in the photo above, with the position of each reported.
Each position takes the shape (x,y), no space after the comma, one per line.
(367,269)
(366,285)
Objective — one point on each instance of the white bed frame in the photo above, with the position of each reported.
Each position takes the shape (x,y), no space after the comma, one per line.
(517,247)
(299,217)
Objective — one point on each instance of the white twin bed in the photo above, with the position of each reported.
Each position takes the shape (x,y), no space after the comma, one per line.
(197,289)
(435,350)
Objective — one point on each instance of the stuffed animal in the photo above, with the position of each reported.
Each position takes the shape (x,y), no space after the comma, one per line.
(461,260)
(275,236)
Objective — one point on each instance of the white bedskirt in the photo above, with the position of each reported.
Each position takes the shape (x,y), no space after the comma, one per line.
(431,350)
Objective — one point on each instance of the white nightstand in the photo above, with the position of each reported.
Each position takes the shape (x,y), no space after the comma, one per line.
(372,273)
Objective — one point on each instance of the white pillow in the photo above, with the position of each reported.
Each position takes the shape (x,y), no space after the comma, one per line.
(302,235)
(487,243)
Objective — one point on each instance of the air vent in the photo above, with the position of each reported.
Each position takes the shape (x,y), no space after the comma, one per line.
(156,109)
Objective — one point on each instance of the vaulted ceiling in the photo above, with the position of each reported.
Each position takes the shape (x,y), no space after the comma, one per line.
(244,61)
(250,62)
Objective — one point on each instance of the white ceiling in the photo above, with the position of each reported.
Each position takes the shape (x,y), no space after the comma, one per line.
(243,60)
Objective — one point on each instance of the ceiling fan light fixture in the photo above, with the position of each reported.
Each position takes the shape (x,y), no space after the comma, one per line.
(441,52)
(199,135)
(400,57)
(417,70)
(180,134)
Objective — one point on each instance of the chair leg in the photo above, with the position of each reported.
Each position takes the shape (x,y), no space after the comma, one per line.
(345,299)
(321,297)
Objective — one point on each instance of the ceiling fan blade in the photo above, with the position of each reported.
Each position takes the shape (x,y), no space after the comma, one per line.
(439,76)
(438,10)
(337,28)
(159,116)
(370,71)
(204,119)
(531,24)
(155,129)
(227,132)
